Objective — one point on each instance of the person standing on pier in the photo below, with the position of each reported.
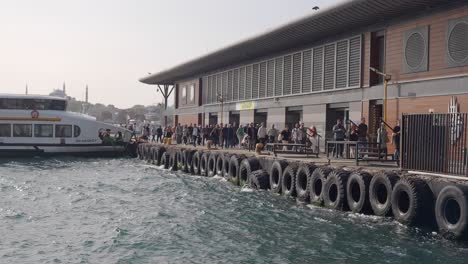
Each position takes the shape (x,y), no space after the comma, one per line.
(159,133)
(396,141)
(240,134)
(179,133)
(195,134)
(362,135)
(339,132)
(272,134)
(153,134)
(262,134)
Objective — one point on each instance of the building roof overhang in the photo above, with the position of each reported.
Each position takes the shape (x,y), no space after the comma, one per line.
(344,17)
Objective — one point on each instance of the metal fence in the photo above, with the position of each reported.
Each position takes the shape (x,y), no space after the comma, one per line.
(435,143)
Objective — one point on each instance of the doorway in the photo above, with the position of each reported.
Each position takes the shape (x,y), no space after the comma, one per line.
(375,116)
(234,117)
(293,116)
(261,116)
(335,112)
(213,119)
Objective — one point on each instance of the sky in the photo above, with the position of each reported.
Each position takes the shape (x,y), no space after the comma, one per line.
(110,44)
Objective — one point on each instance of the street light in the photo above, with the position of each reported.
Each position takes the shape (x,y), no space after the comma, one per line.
(220,99)
(387,77)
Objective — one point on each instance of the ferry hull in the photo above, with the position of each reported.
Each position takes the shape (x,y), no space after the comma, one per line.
(13,151)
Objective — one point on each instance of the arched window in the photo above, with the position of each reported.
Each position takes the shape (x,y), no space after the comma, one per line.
(76,131)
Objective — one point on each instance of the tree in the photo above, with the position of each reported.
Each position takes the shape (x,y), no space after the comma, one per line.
(106,115)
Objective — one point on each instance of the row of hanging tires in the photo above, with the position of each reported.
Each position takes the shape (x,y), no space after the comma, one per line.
(407,198)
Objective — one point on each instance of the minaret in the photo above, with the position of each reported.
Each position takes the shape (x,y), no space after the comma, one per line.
(64,92)
(26,92)
(86,95)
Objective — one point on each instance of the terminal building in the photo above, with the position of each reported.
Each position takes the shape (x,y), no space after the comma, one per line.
(318,68)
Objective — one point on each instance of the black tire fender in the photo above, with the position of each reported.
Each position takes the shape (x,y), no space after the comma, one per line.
(334,190)
(173,161)
(165,160)
(276,173)
(196,158)
(226,162)
(303,174)
(246,167)
(259,180)
(411,201)
(211,166)
(204,164)
(234,165)
(357,192)
(451,212)
(220,165)
(315,185)
(180,159)
(380,192)
(288,180)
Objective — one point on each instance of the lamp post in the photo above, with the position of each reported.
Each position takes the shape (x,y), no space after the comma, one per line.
(220,99)
(387,78)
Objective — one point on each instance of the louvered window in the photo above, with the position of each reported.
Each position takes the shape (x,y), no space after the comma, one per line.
(219,87)
(229,87)
(296,76)
(354,62)
(329,68)
(306,71)
(341,64)
(242,84)
(210,91)
(278,76)
(255,80)
(248,84)
(235,88)
(457,42)
(317,71)
(262,87)
(287,75)
(206,89)
(270,76)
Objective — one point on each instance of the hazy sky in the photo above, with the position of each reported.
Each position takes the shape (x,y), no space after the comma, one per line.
(110,44)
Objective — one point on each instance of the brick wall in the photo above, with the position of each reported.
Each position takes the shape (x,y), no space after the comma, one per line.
(437,46)
(188,119)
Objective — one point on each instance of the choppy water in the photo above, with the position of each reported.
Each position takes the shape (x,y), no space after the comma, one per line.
(125,211)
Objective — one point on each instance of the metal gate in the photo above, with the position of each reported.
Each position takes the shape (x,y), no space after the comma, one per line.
(435,143)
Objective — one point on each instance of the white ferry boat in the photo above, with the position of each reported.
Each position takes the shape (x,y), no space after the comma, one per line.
(34,125)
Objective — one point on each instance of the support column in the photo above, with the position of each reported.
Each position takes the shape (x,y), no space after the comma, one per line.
(277,116)
(246,116)
(355,111)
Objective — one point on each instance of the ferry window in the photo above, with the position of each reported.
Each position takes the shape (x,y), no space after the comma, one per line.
(43,130)
(33,104)
(22,130)
(63,131)
(5,130)
(76,131)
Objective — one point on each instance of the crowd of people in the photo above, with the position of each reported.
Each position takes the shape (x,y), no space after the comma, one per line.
(248,135)
(231,135)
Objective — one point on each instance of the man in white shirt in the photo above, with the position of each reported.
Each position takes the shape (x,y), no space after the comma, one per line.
(262,133)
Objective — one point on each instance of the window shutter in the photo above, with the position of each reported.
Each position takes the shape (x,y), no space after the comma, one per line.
(355,62)
(341,64)
(270,76)
(242,84)
(296,83)
(306,71)
(255,80)
(229,87)
(235,88)
(329,68)
(248,85)
(262,86)
(317,77)
(287,75)
(218,87)
(278,76)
